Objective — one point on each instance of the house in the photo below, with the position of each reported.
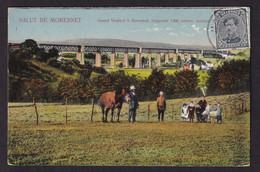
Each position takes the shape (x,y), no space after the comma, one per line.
(186,66)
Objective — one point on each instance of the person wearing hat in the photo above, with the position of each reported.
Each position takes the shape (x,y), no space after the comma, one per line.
(161,106)
(133,104)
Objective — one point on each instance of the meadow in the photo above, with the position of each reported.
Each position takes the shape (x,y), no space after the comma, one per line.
(145,73)
(144,143)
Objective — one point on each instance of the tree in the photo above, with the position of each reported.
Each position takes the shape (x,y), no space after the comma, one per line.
(74,90)
(156,81)
(232,77)
(53,53)
(105,58)
(40,89)
(101,83)
(169,85)
(30,46)
(186,83)
(121,65)
(132,61)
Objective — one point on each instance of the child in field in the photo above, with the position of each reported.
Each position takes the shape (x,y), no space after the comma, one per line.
(206,113)
(184,112)
(191,109)
(218,114)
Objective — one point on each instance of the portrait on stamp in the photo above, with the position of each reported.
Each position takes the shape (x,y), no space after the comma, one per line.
(231,28)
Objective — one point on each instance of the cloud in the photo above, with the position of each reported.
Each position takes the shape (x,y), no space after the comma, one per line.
(187,34)
(195,27)
(173,34)
(169,28)
(155,29)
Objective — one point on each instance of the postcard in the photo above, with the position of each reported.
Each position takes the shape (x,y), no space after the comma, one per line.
(129,86)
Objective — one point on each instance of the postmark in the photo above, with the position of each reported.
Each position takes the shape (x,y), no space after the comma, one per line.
(231,27)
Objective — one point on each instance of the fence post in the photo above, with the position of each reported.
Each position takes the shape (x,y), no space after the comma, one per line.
(66,110)
(242,107)
(37,117)
(172,111)
(225,112)
(149,112)
(92,110)
(245,107)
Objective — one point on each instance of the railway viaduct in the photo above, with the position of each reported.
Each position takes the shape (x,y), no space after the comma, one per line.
(120,46)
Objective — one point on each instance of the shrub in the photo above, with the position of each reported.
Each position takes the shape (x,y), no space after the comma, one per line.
(232,77)
(74,90)
(186,83)
(39,89)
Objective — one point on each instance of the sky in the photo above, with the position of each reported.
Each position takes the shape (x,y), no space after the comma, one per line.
(179,33)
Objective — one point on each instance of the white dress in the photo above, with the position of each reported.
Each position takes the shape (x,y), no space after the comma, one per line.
(184,112)
(207,111)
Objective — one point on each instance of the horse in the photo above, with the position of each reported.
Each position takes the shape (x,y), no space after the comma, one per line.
(111,100)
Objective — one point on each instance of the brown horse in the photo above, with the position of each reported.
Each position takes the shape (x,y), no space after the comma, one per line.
(111,100)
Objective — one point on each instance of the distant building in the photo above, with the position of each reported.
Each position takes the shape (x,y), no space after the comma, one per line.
(186,66)
(14,47)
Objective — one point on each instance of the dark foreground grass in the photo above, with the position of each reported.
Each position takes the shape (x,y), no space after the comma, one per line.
(127,144)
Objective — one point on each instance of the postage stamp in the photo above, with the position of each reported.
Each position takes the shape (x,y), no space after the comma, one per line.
(231,27)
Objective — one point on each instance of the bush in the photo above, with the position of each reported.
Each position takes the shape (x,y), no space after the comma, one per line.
(156,81)
(39,89)
(186,83)
(54,62)
(74,90)
(30,47)
(232,77)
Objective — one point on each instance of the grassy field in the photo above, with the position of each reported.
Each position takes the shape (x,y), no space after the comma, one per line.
(145,73)
(145,143)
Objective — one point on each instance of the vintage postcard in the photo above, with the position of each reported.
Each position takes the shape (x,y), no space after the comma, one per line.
(129,86)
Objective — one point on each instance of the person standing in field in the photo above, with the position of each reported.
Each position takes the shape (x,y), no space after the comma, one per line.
(202,106)
(218,110)
(133,104)
(191,109)
(161,106)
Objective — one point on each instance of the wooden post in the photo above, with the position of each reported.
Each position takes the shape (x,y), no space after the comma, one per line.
(66,110)
(172,111)
(37,116)
(245,107)
(92,110)
(149,112)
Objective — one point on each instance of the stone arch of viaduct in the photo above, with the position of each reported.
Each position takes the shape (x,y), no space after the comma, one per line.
(80,49)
